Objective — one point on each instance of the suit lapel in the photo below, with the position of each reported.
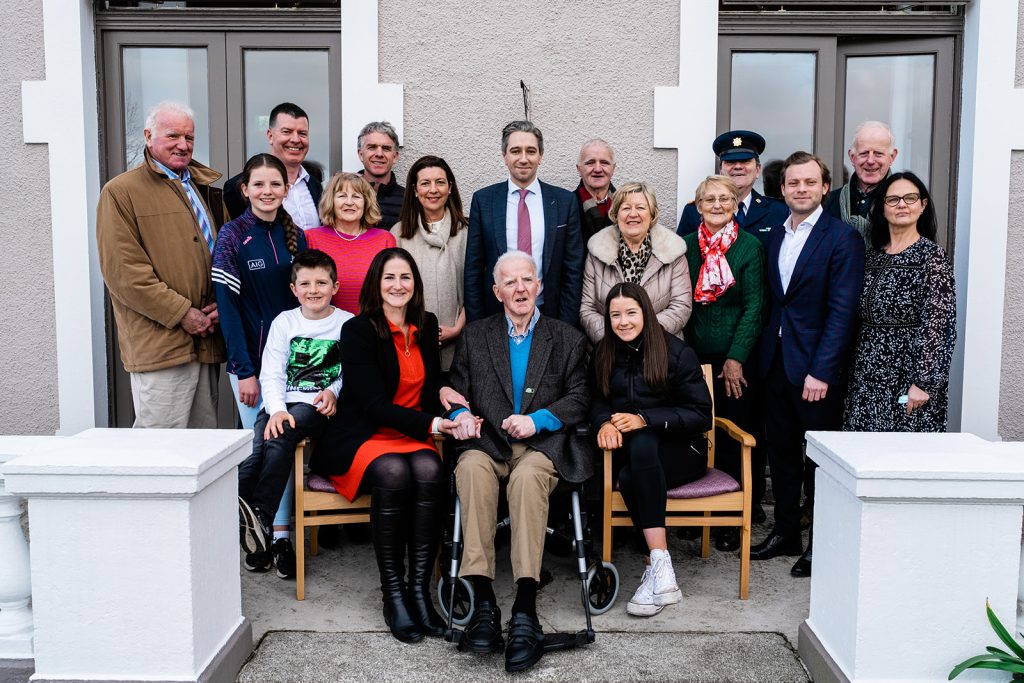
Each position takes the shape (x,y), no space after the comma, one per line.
(813,240)
(540,349)
(497,346)
(774,247)
(499,217)
(757,211)
(550,223)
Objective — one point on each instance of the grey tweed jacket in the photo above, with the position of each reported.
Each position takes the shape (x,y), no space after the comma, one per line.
(556,379)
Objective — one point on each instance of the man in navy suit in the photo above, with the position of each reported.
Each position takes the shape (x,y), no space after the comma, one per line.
(288,137)
(739,152)
(815,271)
(525,214)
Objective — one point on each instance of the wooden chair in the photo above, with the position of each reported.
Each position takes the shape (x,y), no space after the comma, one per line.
(313,509)
(683,509)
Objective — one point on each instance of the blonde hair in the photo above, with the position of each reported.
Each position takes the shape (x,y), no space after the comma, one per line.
(356,183)
(630,188)
(724,181)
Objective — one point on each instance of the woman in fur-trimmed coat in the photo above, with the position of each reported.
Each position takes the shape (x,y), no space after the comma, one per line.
(635,248)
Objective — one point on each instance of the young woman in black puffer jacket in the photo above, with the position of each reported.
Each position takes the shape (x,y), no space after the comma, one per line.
(652,406)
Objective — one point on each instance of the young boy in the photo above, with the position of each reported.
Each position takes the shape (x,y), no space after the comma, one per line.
(300,382)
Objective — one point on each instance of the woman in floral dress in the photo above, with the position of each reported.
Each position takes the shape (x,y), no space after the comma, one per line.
(900,372)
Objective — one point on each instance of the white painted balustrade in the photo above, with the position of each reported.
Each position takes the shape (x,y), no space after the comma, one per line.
(912,532)
(134,554)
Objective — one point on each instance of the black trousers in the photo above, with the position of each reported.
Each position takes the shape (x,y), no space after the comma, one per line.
(653,463)
(263,476)
(787,418)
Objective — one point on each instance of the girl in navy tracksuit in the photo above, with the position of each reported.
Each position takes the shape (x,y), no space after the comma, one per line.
(252,263)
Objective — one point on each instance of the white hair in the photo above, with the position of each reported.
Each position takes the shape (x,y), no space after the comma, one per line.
(597,142)
(868,125)
(514,255)
(166,107)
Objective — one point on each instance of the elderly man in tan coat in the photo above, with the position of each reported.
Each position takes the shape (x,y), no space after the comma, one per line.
(637,249)
(155,228)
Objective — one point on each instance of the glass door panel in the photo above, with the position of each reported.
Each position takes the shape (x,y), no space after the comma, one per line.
(298,76)
(157,74)
(774,94)
(899,90)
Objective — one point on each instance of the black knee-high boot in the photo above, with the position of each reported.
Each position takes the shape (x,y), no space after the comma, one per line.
(388,528)
(422,555)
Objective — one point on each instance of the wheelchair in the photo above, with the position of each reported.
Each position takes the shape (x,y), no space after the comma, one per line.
(599,580)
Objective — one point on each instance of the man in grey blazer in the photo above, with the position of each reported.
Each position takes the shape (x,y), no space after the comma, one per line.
(523,376)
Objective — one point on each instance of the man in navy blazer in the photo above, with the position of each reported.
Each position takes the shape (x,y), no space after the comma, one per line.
(739,152)
(288,137)
(525,214)
(815,271)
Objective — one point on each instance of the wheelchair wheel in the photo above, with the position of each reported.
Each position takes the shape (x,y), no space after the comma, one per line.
(602,587)
(464,600)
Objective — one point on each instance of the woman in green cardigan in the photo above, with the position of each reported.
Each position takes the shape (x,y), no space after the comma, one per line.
(727,273)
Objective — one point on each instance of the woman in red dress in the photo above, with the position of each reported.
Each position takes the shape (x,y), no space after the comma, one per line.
(381,439)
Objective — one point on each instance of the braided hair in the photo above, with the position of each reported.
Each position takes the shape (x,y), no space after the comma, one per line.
(263,160)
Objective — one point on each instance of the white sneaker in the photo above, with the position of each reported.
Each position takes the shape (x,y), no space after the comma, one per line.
(665,590)
(642,603)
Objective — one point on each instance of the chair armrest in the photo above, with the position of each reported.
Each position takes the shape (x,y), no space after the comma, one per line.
(735,432)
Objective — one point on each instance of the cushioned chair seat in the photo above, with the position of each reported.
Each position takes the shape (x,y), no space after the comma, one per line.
(314,482)
(713,483)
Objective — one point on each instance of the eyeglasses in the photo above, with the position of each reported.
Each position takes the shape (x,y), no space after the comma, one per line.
(908,199)
(721,199)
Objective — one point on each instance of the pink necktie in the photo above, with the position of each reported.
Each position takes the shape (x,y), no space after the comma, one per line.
(524,242)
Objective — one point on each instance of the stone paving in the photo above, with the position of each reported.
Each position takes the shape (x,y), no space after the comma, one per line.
(337,633)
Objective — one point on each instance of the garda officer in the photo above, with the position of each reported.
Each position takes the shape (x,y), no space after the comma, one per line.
(739,152)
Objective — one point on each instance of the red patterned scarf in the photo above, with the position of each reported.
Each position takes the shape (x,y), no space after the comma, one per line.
(715,274)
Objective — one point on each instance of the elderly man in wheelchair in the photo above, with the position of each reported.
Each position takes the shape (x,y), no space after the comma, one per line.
(520,385)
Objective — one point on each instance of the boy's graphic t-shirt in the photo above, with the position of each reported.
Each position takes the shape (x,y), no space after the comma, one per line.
(302,358)
(313,364)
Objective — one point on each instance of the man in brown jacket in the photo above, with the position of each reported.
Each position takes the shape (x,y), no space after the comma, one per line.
(155,228)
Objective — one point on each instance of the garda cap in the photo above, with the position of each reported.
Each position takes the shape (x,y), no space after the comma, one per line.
(738,145)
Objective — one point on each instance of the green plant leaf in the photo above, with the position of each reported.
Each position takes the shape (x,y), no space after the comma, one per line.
(1000,666)
(1003,634)
(1003,654)
(972,663)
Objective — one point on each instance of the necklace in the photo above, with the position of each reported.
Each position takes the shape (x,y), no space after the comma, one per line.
(345,236)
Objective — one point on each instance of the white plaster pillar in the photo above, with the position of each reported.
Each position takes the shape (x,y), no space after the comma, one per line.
(134,554)
(912,532)
(15,582)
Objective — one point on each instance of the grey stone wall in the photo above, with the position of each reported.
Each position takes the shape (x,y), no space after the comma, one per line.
(1011,391)
(28,378)
(591,67)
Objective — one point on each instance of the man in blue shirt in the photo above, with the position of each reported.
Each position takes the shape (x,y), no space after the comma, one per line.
(523,376)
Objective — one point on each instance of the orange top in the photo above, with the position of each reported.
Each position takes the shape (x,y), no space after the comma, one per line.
(411,375)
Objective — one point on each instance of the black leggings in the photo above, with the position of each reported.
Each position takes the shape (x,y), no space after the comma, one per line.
(655,463)
(403,471)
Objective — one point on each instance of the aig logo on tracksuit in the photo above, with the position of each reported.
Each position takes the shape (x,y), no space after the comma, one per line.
(257,264)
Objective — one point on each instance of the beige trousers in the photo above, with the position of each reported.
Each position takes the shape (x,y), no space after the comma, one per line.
(531,479)
(184,396)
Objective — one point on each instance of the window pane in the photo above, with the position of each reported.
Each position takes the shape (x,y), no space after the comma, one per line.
(155,74)
(773,93)
(898,90)
(297,76)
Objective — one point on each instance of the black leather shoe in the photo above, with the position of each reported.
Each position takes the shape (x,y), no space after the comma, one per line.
(525,642)
(776,545)
(758,515)
(483,634)
(802,568)
(727,540)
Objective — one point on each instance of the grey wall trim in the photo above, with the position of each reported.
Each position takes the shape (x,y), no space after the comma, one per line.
(233,19)
(816,659)
(851,23)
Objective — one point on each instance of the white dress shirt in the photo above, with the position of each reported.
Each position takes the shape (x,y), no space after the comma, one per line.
(299,203)
(793,241)
(535,205)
